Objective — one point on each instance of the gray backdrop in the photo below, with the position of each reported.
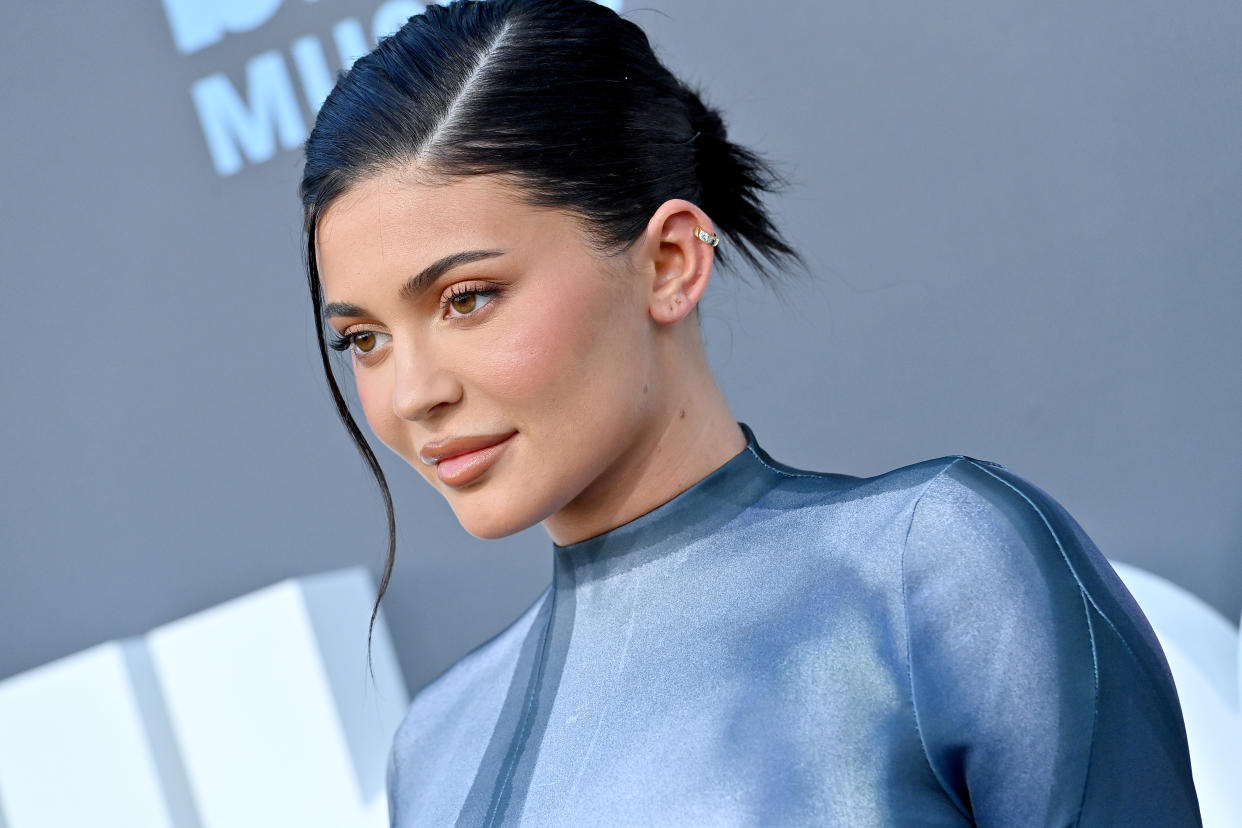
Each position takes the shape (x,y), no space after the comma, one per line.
(1023,222)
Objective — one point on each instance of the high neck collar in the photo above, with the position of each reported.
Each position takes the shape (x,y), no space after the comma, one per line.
(688,516)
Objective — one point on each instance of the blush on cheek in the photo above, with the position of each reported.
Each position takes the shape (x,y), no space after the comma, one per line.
(556,346)
(527,363)
(376,399)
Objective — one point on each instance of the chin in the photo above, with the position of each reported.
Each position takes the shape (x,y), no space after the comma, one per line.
(503,502)
(488,522)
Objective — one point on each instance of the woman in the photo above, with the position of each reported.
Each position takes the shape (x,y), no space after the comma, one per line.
(512,211)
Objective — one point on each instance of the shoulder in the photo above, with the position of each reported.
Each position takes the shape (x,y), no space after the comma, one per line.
(1033,672)
(880,500)
(454,713)
(487,665)
(982,536)
(958,522)
(979,528)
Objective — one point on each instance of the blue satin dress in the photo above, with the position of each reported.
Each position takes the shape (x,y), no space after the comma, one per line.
(940,645)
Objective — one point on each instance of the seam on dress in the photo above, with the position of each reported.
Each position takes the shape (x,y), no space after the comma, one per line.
(905,610)
(1089,604)
(1068,563)
(751,449)
(1095,710)
(523,733)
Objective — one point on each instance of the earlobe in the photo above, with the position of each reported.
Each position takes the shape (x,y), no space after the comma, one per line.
(683,256)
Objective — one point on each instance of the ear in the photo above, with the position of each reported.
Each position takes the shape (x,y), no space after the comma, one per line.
(679,261)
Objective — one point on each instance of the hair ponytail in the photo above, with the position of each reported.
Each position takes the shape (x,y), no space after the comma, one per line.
(732,181)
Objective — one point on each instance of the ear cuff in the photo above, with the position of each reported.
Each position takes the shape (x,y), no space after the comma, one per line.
(706,237)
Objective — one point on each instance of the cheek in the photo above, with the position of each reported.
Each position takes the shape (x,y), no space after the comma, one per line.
(569,356)
(375,394)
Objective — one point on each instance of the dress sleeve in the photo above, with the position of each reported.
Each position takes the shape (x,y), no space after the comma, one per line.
(1040,692)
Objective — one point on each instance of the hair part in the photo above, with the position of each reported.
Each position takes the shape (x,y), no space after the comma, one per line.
(567,99)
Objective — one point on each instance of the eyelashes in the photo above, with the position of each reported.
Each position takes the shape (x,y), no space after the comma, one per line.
(460,302)
(361,343)
(465,299)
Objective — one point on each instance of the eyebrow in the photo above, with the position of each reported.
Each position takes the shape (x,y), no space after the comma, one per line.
(421,281)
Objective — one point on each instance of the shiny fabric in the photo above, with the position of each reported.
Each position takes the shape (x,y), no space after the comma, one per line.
(939,645)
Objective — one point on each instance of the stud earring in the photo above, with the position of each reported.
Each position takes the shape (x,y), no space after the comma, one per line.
(704,236)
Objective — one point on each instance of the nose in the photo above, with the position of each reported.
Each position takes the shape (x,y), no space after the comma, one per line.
(422,385)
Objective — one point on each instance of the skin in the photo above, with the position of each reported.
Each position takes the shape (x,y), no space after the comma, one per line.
(594,363)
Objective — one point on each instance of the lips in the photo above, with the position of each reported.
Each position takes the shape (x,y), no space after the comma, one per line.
(462,460)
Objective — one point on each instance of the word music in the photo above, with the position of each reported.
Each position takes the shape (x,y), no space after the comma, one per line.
(250,124)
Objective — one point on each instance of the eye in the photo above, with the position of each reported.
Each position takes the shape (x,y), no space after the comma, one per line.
(360,343)
(463,302)
(364,342)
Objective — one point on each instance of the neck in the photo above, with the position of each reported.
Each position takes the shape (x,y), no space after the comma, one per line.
(686,437)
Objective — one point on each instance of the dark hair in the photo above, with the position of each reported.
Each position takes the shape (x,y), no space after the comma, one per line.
(564,96)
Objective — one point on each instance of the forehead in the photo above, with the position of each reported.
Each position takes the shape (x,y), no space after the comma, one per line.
(400,213)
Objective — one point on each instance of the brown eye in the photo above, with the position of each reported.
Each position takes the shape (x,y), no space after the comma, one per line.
(465,302)
(364,342)
(468,302)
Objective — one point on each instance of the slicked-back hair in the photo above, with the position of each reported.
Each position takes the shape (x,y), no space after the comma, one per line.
(567,100)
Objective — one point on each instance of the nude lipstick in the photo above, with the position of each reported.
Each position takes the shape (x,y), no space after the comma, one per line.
(462,460)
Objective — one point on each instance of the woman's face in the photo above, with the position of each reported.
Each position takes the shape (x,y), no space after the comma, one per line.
(492,349)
